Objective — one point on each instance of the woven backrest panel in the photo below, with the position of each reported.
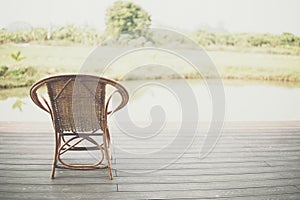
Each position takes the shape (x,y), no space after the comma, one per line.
(77,103)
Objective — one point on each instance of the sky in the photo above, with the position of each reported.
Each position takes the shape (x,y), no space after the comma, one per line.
(254,16)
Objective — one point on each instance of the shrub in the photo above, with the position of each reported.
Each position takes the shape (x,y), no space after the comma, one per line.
(30,71)
(3,70)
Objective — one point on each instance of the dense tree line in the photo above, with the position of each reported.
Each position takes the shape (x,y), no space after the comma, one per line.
(88,35)
(206,38)
(68,33)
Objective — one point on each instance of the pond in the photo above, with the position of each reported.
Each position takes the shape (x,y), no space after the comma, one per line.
(244,101)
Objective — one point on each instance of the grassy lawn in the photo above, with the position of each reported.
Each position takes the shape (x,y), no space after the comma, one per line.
(257,66)
(231,65)
(69,57)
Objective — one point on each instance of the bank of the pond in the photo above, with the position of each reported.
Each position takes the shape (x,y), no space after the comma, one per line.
(227,73)
(41,61)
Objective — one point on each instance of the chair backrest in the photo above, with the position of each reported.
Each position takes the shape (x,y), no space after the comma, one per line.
(77,103)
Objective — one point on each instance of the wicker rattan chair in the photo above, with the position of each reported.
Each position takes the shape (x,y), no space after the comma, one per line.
(79,109)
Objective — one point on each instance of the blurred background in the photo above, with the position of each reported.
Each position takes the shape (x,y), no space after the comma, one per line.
(255,46)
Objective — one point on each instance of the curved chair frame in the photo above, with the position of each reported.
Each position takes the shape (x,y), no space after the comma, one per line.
(60,92)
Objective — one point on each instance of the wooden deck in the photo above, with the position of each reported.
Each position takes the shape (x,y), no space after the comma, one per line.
(250,161)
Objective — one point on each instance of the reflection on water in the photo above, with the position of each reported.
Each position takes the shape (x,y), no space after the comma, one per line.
(262,103)
(18,104)
(15,105)
(245,101)
(26,112)
(14,92)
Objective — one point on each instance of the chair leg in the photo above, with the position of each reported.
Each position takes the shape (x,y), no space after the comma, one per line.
(57,144)
(53,169)
(108,144)
(105,141)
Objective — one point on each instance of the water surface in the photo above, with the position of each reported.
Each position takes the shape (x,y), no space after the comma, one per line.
(244,101)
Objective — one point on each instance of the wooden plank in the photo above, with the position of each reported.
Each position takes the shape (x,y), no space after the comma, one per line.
(218,150)
(62,188)
(169,134)
(97,177)
(293,196)
(37,164)
(100,177)
(175,172)
(192,149)
(192,172)
(207,186)
(195,151)
(160,160)
(59,173)
(74,196)
(161,139)
(133,166)
(198,194)
(160,143)
(269,154)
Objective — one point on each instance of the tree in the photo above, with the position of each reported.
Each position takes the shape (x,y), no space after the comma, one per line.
(127,17)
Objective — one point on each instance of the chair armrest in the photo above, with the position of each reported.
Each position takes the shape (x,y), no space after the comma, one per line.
(36,98)
(124,95)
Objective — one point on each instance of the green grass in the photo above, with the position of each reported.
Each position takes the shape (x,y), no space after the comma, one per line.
(287,74)
(48,60)
(225,59)
(45,60)
(287,50)
(252,66)
(68,57)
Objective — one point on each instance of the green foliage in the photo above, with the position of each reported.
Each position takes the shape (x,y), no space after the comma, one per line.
(3,36)
(3,70)
(286,43)
(85,35)
(206,38)
(29,71)
(289,39)
(127,17)
(17,56)
(19,71)
(68,33)
(122,12)
(19,77)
